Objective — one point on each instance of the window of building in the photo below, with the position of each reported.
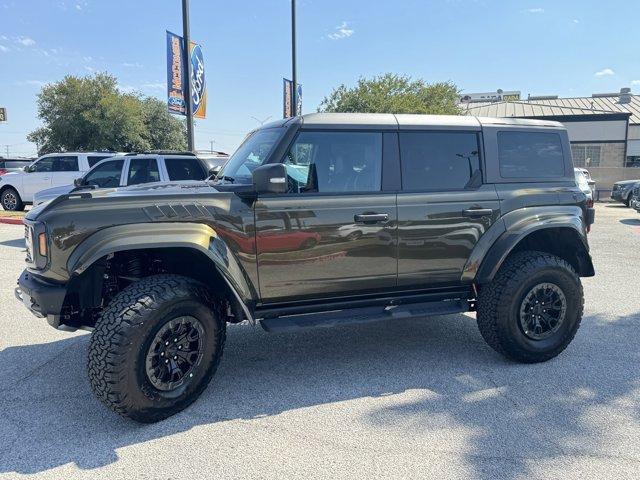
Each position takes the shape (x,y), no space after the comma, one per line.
(530,155)
(184,169)
(633,161)
(438,160)
(335,162)
(143,170)
(586,155)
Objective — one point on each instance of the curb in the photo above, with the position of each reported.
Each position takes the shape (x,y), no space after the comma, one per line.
(11,220)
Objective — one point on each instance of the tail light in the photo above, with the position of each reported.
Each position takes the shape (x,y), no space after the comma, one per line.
(3,171)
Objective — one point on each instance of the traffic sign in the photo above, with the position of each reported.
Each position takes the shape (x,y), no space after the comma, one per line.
(3,114)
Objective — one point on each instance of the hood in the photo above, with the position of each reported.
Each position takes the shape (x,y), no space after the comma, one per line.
(156,188)
(49,193)
(626,182)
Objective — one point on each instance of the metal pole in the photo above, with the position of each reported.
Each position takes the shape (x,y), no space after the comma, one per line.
(187,63)
(294,73)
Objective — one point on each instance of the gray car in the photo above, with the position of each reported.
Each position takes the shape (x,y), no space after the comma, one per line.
(623,190)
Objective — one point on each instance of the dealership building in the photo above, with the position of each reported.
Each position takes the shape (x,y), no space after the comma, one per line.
(604,129)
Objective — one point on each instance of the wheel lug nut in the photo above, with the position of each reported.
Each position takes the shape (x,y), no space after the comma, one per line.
(175,357)
(166,361)
(179,347)
(162,354)
(175,340)
(166,343)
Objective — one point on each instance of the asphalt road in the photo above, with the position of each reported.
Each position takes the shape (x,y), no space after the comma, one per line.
(406,399)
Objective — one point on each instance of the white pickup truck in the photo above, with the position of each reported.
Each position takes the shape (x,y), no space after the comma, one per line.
(51,170)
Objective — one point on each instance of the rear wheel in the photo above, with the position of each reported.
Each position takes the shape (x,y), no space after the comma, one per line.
(532,309)
(156,347)
(11,200)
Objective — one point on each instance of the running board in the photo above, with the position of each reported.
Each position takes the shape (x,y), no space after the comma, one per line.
(363,315)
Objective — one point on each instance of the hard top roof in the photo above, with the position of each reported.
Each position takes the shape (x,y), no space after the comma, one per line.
(413,121)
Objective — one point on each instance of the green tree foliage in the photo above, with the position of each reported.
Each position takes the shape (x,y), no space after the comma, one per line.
(90,113)
(391,93)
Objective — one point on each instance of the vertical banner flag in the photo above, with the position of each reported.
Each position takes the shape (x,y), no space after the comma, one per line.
(198,85)
(287,99)
(176,77)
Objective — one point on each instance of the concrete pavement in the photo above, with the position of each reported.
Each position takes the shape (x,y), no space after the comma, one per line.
(406,399)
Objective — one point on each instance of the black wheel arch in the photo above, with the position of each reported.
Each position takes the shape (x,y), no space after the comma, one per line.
(564,240)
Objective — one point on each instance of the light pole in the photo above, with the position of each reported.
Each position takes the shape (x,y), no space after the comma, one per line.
(294,73)
(187,64)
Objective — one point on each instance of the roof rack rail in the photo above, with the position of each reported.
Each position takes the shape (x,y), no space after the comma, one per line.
(168,152)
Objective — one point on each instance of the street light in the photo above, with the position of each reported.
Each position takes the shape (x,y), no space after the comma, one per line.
(261,122)
(187,63)
(294,74)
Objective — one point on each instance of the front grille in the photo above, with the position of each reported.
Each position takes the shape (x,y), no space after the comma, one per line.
(28,241)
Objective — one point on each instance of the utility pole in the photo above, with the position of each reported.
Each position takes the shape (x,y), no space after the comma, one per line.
(6,147)
(187,64)
(294,74)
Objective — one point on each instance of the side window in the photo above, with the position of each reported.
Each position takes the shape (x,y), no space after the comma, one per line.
(335,162)
(143,170)
(439,160)
(184,169)
(43,165)
(530,155)
(106,175)
(65,164)
(93,159)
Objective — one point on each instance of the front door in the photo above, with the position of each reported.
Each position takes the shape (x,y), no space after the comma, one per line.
(444,207)
(38,178)
(333,234)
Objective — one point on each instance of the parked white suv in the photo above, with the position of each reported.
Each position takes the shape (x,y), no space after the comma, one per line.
(133,169)
(51,170)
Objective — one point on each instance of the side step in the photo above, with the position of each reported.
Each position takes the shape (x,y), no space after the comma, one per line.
(363,315)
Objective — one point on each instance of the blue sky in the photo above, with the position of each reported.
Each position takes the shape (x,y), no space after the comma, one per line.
(570,48)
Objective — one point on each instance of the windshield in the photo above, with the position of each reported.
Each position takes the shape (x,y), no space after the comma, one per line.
(253,152)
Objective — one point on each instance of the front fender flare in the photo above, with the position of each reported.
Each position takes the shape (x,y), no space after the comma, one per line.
(198,236)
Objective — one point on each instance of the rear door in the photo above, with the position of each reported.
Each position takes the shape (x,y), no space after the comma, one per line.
(444,207)
(333,234)
(65,170)
(142,170)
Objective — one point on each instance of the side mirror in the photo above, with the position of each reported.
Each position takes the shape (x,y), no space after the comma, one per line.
(26,168)
(78,182)
(214,171)
(270,178)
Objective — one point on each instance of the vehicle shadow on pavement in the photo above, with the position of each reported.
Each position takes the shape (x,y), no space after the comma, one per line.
(17,243)
(430,386)
(634,222)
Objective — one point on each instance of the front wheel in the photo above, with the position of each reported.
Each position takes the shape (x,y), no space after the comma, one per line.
(11,200)
(532,309)
(155,347)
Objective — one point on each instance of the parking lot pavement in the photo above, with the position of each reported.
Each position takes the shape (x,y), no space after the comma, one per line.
(402,399)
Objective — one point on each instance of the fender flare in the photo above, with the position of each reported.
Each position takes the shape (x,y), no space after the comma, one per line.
(487,257)
(195,236)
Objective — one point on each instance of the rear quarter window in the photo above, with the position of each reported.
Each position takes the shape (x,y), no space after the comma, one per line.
(530,155)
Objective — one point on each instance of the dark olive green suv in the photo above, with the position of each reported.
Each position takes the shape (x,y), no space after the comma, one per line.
(319,220)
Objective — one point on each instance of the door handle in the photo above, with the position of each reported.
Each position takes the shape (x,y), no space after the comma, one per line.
(477,212)
(370,217)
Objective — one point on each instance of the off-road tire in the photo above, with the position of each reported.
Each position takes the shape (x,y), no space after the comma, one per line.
(126,328)
(499,306)
(17,205)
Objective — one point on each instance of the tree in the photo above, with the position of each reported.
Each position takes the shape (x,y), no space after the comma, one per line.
(90,113)
(392,93)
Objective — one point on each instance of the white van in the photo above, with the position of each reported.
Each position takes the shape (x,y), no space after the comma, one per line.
(51,170)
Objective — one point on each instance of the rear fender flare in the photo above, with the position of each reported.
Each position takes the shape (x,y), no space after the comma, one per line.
(487,257)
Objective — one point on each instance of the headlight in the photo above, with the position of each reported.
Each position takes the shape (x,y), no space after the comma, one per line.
(35,240)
